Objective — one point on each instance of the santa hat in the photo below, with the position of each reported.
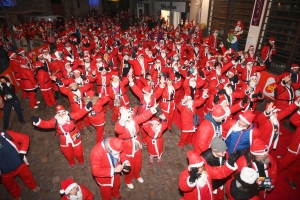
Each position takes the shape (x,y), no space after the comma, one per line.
(212,59)
(273,111)
(247,117)
(67,63)
(98,58)
(216,30)
(218,112)
(60,108)
(11,54)
(86,57)
(77,71)
(231,70)
(253,74)
(114,76)
(67,185)
(194,159)
(59,49)
(45,49)
(39,55)
(294,66)
(272,39)
(38,64)
(90,93)
(248,175)
(222,99)
(116,144)
(147,89)
(258,147)
(20,50)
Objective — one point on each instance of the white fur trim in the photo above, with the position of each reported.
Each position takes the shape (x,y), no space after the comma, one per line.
(219,117)
(38,123)
(244,119)
(153,110)
(297,104)
(23,152)
(232,168)
(131,84)
(200,164)
(61,191)
(70,187)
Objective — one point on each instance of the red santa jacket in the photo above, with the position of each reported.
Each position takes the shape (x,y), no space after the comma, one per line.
(86,194)
(97,115)
(267,52)
(245,73)
(43,79)
(193,191)
(14,65)
(285,94)
(27,81)
(129,132)
(102,165)
(187,120)
(103,81)
(294,146)
(121,91)
(67,133)
(140,66)
(167,103)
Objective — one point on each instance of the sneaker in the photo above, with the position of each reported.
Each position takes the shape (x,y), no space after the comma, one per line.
(73,167)
(38,102)
(159,164)
(35,107)
(291,183)
(83,165)
(141,180)
(37,189)
(120,198)
(181,146)
(130,186)
(150,165)
(170,130)
(27,99)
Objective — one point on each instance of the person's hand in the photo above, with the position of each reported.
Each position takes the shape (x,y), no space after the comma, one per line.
(130,79)
(155,105)
(127,167)
(260,94)
(35,119)
(53,78)
(232,158)
(193,174)
(89,105)
(245,100)
(118,168)
(286,79)
(83,77)
(270,108)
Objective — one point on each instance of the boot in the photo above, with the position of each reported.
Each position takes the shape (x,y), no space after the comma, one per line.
(56,95)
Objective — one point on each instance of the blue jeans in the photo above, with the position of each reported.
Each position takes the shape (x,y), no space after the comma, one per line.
(6,113)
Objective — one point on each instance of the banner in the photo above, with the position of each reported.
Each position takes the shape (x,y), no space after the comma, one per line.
(33,53)
(267,83)
(258,8)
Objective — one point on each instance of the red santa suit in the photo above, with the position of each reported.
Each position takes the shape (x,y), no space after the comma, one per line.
(285,94)
(45,83)
(67,134)
(201,188)
(291,160)
(270,127)
(13,144)
(267,52)
(187,111)
(82,192)
(155,141)
(102,81)
(245,72)
(128,132)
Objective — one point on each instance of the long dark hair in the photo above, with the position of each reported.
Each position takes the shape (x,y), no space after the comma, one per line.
(252,189)
(5,78)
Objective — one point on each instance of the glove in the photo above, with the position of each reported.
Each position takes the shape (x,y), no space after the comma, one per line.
(35,119)
(254,95)
(109,48)
(260,94)
(216,99)
(245,100)
(216,64)
(193,174)
(118,43)
(21,155)
(238,59)
(235,79)
(3,84)
(231,55)
(202,74)
(232,158)
(58,82)
(126,167)
(83,77)
(183,67)
(153,55)
(222,91)
(89,105)
(177,75)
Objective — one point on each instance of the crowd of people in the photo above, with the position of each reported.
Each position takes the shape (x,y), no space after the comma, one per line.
(95,64)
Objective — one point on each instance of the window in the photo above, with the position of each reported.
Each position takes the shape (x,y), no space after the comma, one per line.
(282,21)
(94,2)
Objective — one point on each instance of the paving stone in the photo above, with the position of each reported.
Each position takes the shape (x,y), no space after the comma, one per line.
(55,179)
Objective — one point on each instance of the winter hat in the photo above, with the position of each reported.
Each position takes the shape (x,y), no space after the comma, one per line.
(194,159)
(231,70)
(116,144)
(248,175)
(45,49)
(60,108)
(294,66)
(272,39)
(11,54)
(147,89)
(247,117)
(86,57)
(253,75)
(67,185)
(258,147)
(218,145)
(218,112)
(90,93)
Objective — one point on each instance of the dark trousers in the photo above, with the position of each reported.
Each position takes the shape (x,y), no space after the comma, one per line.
(6,113)
(268,64)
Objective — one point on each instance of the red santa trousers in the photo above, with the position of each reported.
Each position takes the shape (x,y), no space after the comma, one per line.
(185,138)
(107,191)
(80,125)
(144,136)
(136,166)
(287,161)
(69,152)
(49,97)
(99,133)
(32,98)
(294,169)
(11,184)
(24,94)
(169,117)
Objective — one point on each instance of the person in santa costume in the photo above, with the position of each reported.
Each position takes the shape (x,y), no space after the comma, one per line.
(267,51)
(127,129)
(108,160)
(251,53)
(241,133)
(74,191)
(258,158)
(68,136)
(269,122)
(45,83)
(187,109)
(285,92)
(291,161)
(155,141)
(244,185)
(209,128)
(96,116)
(293,73)
(196,180)
(247,68)
(13,162)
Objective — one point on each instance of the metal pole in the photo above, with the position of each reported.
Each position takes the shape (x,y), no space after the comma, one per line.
(9,27)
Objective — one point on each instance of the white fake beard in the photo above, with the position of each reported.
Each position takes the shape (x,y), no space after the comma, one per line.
(78,80)
(115,84)
(252,84)
(249,67)
(202,181)
(274,120)
(218,71)
(228,91)
(62,120)
(126,57)
(163,55)
(196,50)
(8,84)
(171,88)
(227,111)
(236,127)
(193,84)
(78,196)
(147,98)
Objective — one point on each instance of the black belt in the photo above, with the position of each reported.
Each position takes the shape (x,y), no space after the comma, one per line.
(145,106)
(24,79)
(285,100)
(135,136)
(103,85)
(166,100)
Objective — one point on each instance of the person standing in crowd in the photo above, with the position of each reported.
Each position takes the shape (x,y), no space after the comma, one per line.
(11,101)
(267,51)
(73,191)
(13,162)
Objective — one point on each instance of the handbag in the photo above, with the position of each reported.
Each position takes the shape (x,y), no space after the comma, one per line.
(196,119)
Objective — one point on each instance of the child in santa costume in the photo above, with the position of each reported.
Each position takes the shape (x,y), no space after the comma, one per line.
(155,141)
(68,136)
(73,191)
(108,160)
(127,129)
